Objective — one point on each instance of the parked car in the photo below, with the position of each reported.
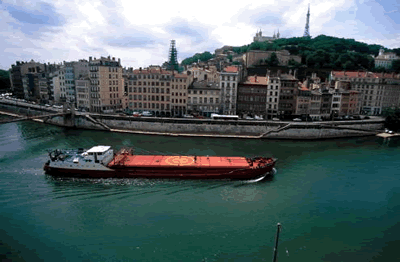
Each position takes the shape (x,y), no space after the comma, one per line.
(147,113)
(297,120)
(275,119)
(187,116)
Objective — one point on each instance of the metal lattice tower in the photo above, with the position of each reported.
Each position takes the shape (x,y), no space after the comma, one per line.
(307,29)
(173,57)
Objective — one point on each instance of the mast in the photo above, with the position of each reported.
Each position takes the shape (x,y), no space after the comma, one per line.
(276,242)
(307,29)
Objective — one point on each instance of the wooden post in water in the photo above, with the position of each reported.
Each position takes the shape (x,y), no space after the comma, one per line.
(276,242)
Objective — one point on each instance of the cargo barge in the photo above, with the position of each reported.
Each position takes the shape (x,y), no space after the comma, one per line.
(102,162)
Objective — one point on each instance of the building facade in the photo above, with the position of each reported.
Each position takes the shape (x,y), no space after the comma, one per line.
(229,80)
(385,59)
(106,85)
(377,90)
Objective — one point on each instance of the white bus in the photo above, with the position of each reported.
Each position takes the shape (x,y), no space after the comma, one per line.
(224,117)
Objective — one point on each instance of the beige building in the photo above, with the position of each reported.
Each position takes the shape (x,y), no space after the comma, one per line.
(208,73)
(162,92)
(260,38)
(204,98)
(83,94)
(106,85)
(303,102)
(377,90)
(254,57)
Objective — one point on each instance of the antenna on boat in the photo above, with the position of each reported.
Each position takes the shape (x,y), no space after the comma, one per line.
(276,241)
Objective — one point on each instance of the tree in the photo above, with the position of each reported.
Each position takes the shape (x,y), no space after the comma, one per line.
(5,80)
(272,60)
(396,65)
(294,63)
(392,120)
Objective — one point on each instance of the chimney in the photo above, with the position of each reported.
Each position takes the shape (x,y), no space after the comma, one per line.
(140,69)
(255,78)
(290,72)
(279,73)
(295,73)
(113,58)
(268,72)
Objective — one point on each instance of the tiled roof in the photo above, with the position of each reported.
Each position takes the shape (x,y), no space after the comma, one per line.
(256,80)
(360,74)
(231,69)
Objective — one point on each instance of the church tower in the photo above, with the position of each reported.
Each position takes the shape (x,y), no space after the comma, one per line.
(307,29)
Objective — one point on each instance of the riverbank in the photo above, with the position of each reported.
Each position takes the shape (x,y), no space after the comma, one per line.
(246,129)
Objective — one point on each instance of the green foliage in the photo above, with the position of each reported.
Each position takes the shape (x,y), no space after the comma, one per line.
(272,60)
(205,56)
(293,63)
(4,74)
(392,120)
(5,79)
(396,65)
(323,51)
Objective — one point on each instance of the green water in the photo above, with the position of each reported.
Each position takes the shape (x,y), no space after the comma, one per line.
(337,200)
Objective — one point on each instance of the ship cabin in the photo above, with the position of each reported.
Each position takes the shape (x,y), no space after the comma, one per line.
(99,154)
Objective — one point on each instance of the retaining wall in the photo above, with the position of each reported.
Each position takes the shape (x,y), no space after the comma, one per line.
(206,127)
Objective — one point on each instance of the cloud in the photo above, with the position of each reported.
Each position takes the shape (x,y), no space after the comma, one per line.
(141,41)
(35,20)
(140,32)
(182,28)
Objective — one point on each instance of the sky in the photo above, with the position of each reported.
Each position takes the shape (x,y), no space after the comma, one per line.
(139,32)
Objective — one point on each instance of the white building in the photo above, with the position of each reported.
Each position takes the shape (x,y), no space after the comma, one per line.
(229,79)
(385,59)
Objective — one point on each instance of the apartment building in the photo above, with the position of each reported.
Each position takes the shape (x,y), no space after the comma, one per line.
(204,98)
(377,90)
(229,80)
(273,92)
(287,96)
(21,69)
(252,95)
(179,94)
(315,104)
(206,73)
(83,94)
(303,101)
(106,85)
(162,92)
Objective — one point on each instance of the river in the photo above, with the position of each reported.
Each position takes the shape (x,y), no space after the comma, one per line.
(337,200)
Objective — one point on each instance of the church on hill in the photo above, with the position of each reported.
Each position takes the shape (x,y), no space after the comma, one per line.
(260,38)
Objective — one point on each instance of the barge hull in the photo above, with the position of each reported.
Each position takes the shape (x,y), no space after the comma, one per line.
(161,173)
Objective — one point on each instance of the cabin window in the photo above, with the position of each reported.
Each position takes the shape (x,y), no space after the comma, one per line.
(99,154)
(90,154)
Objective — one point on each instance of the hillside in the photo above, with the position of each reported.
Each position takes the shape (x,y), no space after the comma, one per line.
(319,52)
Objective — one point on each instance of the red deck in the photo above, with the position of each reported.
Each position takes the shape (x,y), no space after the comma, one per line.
(181,161)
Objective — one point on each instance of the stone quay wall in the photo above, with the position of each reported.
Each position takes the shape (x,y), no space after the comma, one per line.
(205,127)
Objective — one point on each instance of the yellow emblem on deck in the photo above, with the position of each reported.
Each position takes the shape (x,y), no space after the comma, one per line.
(180,160)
